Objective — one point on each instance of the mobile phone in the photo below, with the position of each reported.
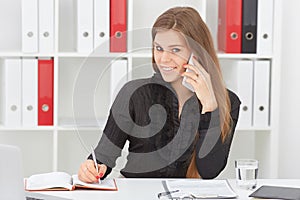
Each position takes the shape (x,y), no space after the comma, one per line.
(184,83)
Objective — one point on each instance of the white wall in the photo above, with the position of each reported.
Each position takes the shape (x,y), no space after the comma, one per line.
(289,131)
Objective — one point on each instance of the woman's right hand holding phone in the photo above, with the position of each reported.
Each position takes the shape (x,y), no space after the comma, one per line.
(200,80)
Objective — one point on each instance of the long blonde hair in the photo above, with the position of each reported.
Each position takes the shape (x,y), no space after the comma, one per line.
(187,21)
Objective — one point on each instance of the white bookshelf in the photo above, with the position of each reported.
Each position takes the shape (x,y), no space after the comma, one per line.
(63,146)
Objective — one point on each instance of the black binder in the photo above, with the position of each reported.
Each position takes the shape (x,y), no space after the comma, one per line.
(249,26)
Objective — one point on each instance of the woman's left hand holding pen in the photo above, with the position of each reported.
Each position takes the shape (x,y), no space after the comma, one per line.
(88,172)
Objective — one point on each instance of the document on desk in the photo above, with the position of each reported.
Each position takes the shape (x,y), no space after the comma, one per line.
(198,189)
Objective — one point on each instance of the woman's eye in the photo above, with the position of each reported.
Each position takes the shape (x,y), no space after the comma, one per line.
(159,48)
(175,50)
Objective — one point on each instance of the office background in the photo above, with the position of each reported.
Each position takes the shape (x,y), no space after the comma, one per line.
(289,137)
(287,142)
(59,147)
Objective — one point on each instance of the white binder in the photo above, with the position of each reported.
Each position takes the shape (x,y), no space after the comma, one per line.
(238,76)
(265,27)
(261,93)
(11,92)
(30,26)
(84,25)
(118,77)
(29,92)
(46,26)
(101,25)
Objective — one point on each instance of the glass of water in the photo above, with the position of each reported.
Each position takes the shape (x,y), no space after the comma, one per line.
(246,173)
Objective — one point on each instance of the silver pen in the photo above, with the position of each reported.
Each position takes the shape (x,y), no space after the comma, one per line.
(161,194)
(94,158)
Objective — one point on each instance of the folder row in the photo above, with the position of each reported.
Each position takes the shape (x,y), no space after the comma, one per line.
(38,26)
(27,92)
(101,25)
(245,26)
(250,80)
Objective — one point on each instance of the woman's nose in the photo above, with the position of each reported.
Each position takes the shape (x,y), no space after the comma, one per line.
(166,57)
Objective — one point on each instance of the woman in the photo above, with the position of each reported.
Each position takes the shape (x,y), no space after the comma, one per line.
(173,132)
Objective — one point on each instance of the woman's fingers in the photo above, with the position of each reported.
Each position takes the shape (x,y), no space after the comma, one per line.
(102,169)
(88,173)
(198,69)
(198,77)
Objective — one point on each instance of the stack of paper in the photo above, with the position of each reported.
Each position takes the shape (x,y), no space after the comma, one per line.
(198,189)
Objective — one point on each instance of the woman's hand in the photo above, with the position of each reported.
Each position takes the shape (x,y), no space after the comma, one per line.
(88,173)
(201,82)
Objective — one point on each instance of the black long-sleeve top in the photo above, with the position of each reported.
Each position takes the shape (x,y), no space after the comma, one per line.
(145,112)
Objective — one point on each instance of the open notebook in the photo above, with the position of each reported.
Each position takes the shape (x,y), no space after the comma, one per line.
(11,177)
(64,181)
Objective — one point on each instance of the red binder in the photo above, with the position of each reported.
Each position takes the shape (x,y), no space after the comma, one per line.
(45,92)
(230,26)
(118,25)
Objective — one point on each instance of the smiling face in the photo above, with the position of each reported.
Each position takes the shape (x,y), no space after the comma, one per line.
(171,52)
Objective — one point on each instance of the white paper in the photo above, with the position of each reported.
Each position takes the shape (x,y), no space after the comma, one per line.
(200,188)
(49,180)
(106,184)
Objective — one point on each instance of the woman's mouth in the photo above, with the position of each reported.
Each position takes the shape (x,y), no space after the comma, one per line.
(167,68)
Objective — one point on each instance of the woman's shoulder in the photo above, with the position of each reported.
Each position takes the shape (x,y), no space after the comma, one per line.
(234,99)
(151,83)
(134,84)
(128,89)
(137,85)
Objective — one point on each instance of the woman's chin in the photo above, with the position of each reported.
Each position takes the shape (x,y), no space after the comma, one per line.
(171,79)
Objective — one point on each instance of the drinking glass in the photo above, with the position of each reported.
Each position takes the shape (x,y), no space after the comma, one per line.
(246,173)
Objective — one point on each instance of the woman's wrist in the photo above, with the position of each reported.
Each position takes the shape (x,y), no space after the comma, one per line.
(210,107)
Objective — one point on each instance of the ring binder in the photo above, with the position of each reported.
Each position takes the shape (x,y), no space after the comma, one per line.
(45,92)
(118,25)
(30,26)
(29,92)
(10,80)
(230,26)
(265,27)
(249,26)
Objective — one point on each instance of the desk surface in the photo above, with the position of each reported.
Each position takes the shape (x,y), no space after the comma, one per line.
(147,189)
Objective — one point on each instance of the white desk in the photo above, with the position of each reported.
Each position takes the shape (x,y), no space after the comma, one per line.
(147,189)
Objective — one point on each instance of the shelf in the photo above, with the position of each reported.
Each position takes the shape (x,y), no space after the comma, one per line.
(24,55)
(241,56)
(93,54)
(39,128)
(83,81)
(254,129)
(142,54)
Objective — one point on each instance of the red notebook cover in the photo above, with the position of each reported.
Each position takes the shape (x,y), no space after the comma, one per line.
(45,92)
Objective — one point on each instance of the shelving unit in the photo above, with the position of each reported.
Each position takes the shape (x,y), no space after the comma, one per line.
(63,146)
